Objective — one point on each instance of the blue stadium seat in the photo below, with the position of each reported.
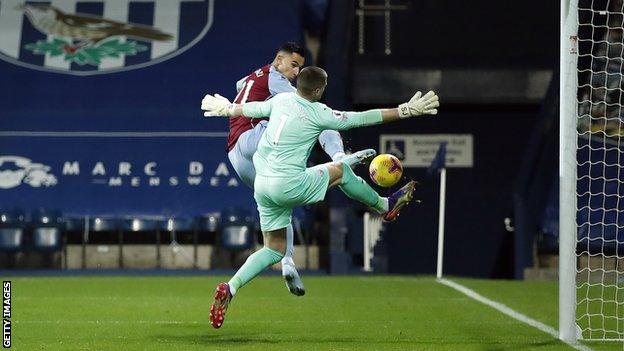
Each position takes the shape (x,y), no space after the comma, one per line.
(46,230)
(103,224)
(75,230)
(74,224)
(12,230)
(206,228)
(208,222)
(141,230)
(178,224)
(103,231)
(237,229)
(140,224)
(182,231)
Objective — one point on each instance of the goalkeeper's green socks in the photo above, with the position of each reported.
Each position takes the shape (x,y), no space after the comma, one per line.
(357,189)
(254,265)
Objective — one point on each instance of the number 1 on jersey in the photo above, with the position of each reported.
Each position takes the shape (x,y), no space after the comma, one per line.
(283,120)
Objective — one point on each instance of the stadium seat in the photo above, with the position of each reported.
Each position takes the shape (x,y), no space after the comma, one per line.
(237,230)
(74,224)
(174,225)
(101,230)
(206,227)
(141,230)
(182,230)
(182,236)
(103,224)
(75,234)
(46,230)
(140,224)
(102,233)
(74,230)
(178,224)
(11,230)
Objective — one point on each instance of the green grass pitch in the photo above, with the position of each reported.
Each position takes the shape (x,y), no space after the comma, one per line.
(337,313)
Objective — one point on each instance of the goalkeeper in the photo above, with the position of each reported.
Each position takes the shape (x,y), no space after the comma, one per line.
(282,180)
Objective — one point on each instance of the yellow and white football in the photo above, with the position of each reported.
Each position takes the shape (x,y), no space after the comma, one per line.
(385,170)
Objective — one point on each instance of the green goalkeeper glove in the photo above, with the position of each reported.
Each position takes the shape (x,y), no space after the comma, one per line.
(420,105)
(216,105)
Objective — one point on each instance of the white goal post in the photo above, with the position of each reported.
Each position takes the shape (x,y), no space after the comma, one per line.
(591,171)
(567,171)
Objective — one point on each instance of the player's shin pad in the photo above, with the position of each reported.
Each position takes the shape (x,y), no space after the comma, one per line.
(357,189)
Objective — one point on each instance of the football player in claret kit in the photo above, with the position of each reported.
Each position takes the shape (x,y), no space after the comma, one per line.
(282,179)
(245,133)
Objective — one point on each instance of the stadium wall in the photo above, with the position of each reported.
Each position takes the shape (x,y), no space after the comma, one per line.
(115,127)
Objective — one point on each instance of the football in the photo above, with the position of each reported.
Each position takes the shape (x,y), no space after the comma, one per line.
(385,170)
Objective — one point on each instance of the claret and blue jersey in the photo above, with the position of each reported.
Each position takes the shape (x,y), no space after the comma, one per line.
(260,85)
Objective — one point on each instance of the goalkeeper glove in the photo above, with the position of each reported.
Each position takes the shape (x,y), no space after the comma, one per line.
(420,105)
(216,105)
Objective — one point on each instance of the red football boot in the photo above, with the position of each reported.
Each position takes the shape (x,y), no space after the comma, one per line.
(222,299)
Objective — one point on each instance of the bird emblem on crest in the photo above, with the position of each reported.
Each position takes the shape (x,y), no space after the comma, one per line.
(86,39)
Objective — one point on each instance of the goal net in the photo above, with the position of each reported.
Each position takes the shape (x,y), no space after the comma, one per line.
(599,175)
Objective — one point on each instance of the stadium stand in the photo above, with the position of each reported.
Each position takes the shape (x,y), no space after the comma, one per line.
(12,229)
(236,238)
(46,229)
(237,230)
(102,245)
(146,232)
(179,249)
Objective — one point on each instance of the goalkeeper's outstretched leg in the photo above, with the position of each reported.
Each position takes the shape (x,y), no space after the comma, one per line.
(356,188)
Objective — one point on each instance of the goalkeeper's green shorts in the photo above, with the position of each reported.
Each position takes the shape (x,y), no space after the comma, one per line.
(277,196)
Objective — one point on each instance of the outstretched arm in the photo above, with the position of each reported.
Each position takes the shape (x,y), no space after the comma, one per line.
(417,106)
(218,105)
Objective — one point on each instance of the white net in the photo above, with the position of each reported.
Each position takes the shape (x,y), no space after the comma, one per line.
(600,179)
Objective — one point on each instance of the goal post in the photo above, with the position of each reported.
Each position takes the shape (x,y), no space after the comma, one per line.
(567,170)
(591,171)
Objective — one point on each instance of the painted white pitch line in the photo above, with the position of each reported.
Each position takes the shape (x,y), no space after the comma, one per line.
(508,311)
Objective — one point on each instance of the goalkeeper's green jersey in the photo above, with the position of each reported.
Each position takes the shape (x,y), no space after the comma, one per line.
(294,126)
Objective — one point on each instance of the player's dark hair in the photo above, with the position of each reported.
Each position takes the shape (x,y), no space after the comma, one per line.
(292,48)
(310,79)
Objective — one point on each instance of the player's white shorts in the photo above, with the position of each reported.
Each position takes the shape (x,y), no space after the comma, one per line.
(241,156)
